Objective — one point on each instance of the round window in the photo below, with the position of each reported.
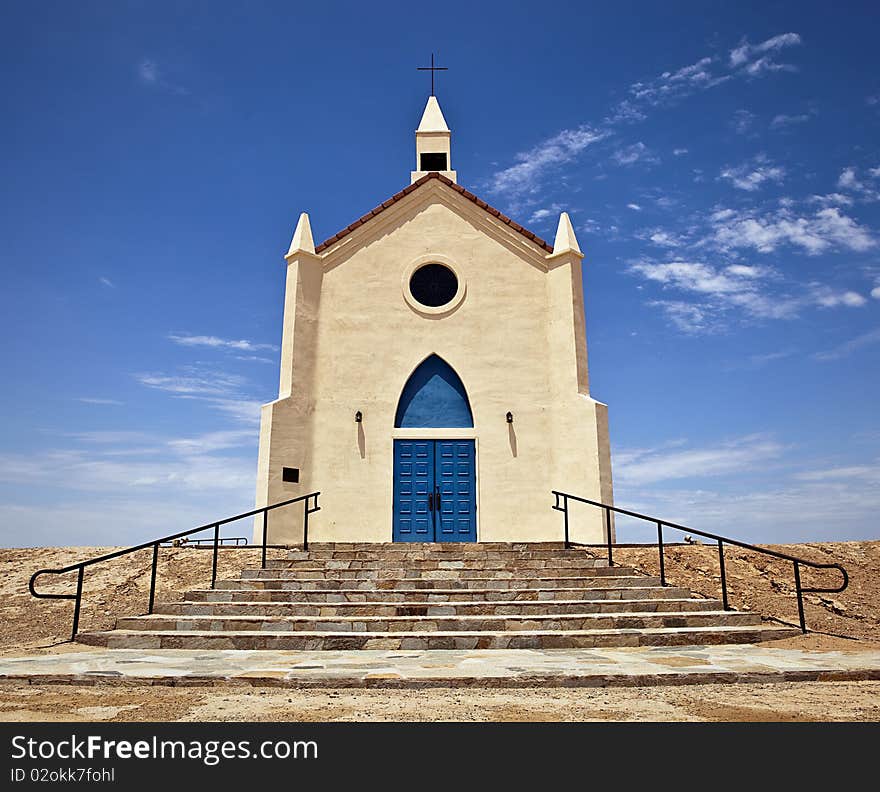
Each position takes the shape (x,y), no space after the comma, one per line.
(433,285)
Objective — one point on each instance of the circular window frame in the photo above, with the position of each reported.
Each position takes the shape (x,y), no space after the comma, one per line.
(428,310)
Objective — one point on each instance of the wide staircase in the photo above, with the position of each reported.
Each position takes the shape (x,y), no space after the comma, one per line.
(437,596)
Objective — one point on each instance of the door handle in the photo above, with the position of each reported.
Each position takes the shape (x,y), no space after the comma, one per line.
(437,498)
(431,501)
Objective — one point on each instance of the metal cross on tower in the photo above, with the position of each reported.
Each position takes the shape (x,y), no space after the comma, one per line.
(432,68)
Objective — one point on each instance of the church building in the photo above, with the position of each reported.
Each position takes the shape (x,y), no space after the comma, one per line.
(434,383)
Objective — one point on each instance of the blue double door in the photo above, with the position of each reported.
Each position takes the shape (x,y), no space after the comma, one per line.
(435,491)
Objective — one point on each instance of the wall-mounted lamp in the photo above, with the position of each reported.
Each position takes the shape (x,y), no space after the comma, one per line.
(358,417)
(509,417)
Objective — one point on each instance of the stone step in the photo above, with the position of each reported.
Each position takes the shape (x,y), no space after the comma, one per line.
(403,573)
(435,547)
(452,624)
(474,555)
(427,608)
(519,639)
(437,563)
(487,594)
(454,583)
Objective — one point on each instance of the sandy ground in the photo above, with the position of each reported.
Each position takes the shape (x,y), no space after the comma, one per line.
(848,621)
(814,701)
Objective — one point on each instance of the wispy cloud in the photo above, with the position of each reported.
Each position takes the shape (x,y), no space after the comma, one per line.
(539,215)
(847,348)
(184,339)
(218,389)
(646,466)
(92,400)
(782,120)
(754,59)
(634,206)
(531,165)
(866,473)
(148,71)
(151,75)
(742,121)
(679,152)
(637,152)
(106,282)
(750,176)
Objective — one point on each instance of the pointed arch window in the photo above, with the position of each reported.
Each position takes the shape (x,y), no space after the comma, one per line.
(434,397)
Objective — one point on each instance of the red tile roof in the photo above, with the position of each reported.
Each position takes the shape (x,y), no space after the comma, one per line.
(414,186)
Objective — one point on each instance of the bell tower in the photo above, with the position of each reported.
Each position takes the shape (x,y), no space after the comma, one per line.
(433,144)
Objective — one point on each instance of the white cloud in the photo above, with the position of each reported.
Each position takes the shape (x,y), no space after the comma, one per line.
(844,350)
(867,473)
(213,441)
(151,75)
(826,297)
(782,120)
(875,292)
(92,400)
(686,316)
(751,175)
(742,121)
(768,511)
(831,199)
(540,215)
(532,165)
(744,56)
(753,291)
(679,152)
(184,339)
(655,465)
(525,176)
(634,206)
(828,228)
(665,239)
(148,71)
(637,152)
(848,180)
(217,389)
(106,282)
(195,382)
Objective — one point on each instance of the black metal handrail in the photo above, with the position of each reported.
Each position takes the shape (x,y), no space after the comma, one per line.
(81,566)
(722,540)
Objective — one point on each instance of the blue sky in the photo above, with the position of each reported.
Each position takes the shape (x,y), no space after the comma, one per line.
(720,163)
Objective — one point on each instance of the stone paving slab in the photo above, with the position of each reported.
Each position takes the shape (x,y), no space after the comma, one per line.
(521,668)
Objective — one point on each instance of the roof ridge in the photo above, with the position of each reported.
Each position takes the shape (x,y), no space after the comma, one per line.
(414,186)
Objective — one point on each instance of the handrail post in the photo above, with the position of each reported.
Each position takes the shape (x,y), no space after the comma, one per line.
(265,517)
(723,575)
(565,519)
(800,596)
(306,524)
(214,560)
(79,591)
(153,577)
(660,546)
(608,534)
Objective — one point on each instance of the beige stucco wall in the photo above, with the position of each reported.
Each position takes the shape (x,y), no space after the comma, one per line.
(516,339)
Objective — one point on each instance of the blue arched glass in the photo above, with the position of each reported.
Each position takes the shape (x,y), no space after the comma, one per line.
(434,396)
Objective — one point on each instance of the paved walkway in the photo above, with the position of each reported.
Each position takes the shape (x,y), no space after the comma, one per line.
(514,668)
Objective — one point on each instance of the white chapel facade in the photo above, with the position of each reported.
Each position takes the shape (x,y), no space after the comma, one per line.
(434,382)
